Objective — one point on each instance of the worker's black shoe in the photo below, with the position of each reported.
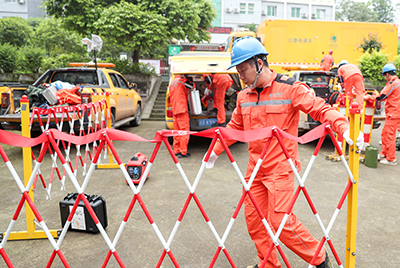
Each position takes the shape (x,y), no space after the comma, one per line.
(180,155)
(326,263)
(255,266)
(216,124)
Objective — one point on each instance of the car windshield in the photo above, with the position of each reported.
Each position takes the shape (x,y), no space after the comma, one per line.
(315,78)
(76,77)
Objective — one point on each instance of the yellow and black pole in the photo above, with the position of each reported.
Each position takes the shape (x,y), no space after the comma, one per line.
(31,232)
(352,198)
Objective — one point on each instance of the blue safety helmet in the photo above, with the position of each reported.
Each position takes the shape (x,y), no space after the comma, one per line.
(245,48)
(343,62)
(387,68)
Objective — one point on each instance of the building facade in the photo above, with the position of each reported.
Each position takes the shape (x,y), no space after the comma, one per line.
(239,13)
(21,8)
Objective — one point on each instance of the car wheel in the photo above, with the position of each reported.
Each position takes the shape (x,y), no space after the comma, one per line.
(138,116)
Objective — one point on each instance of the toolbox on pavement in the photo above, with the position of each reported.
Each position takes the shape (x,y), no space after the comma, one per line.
(82,221)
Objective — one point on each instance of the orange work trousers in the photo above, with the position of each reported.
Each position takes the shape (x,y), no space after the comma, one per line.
(181,122)
(273,195)
(388,137)
(359,90)
(219,103)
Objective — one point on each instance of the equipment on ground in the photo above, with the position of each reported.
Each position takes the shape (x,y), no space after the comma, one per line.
(82,221)
(136,167)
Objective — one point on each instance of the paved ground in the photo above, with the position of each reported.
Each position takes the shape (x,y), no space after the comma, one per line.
(219,190)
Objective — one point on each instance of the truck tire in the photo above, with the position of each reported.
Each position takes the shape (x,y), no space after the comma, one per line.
(138,116)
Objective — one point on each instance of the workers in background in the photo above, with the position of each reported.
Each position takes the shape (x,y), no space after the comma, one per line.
(391,95)
(218,84)
(327,61)
(178,91)
(274,99)
(351,79)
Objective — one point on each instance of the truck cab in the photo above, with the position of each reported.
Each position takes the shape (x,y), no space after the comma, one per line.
(194,65)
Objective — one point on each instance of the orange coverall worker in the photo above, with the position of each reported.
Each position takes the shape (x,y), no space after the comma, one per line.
(351,77)
(220,84)
(179,102)
(327,62)
(278,103)
(391,95)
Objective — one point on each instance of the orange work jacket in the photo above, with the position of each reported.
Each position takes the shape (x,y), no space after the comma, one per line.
(347,70)
(279,104)
(179,95)
(326,62)
(391,93)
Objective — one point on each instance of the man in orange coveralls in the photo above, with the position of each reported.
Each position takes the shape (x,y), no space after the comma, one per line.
(178,92)
(391,95)
(327,61)
(274,99)
(218,84)
(351,77)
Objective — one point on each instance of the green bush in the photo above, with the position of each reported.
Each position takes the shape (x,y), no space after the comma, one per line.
(371,65)
(127,67)
(62,61)
(8,58)
(32,59)
(396,63)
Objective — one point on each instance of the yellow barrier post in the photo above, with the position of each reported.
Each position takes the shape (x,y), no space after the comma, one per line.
(352,198)
(111,163)
(31,232)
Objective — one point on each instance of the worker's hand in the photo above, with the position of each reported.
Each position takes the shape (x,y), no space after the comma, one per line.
(359,141)
(211,160)
(207,92)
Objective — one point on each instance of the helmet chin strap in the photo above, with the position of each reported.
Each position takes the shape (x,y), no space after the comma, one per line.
(254,84)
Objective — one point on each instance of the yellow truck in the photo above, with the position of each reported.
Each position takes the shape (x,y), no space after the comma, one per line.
(125,103)
(302,44)
(194,65)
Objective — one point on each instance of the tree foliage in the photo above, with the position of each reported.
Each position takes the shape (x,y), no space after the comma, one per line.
(51,36)
(371,65)
(15,31)
(126,24)
(371,11)
(138,24)
(8,57)
(384,9)
(371,43)
(349,10)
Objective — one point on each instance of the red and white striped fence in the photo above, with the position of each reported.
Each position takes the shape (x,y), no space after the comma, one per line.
(49,141)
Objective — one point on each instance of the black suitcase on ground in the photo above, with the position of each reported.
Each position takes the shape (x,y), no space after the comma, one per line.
(82,220)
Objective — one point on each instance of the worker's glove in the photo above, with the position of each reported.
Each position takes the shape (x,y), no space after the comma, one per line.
(211,160)
(207,92)
(359,141)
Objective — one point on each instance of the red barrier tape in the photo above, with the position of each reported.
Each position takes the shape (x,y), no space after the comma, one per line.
(13,139)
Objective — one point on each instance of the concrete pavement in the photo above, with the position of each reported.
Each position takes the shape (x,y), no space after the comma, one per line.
(219,190)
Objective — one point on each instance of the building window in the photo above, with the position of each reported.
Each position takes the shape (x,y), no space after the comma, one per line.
(271,11)
(320,14)
(251,9)
(295,12)
(242,8)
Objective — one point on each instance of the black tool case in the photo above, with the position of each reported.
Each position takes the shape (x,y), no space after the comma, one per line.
(82,221)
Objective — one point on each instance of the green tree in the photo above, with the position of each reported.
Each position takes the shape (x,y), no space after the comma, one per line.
(15,31)
(126,24)
(384,9)
(51,36)
(252,27)
(371,43)
(349,10)
(180,19)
